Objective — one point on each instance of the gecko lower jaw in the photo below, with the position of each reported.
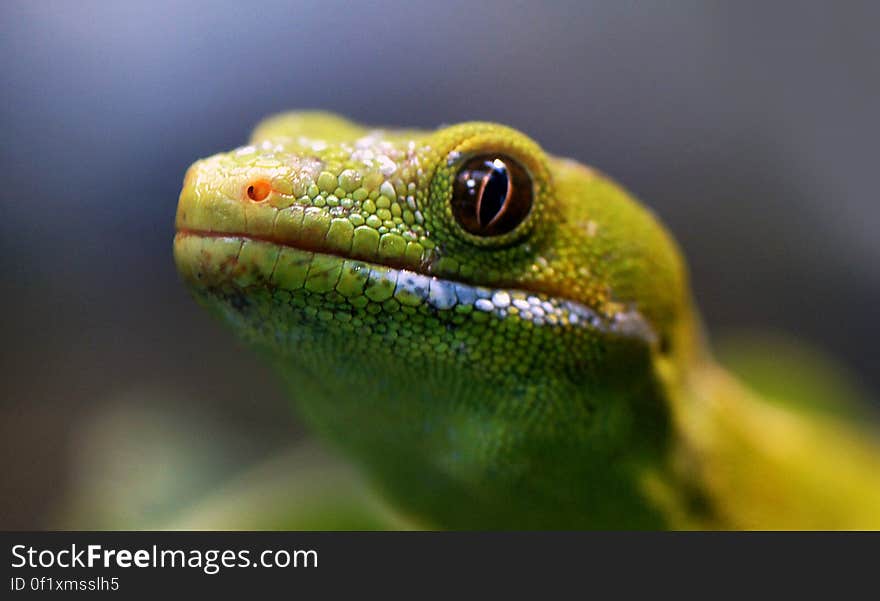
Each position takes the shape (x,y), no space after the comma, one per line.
(216,260)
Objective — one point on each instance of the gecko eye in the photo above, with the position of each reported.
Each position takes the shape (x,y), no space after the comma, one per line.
(491,195)
(259,190)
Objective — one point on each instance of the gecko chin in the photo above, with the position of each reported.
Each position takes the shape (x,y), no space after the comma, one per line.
(328,287)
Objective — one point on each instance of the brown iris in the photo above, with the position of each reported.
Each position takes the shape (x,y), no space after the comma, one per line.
(492,194)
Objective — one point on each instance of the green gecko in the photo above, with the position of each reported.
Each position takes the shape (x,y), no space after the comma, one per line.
(497,337)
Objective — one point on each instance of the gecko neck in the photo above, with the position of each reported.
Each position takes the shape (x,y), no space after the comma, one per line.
(461,453)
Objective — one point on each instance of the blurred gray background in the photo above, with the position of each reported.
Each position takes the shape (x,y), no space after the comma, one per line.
(751,128)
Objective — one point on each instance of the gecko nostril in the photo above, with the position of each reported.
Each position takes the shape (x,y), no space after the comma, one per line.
(259,190)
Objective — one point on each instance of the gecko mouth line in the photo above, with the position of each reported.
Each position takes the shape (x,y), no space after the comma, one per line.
(409,287)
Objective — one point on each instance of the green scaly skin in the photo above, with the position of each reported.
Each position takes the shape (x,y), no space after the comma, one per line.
(551,377)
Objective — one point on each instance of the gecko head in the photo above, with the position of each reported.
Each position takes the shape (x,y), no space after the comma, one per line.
(475,207)
(430,283)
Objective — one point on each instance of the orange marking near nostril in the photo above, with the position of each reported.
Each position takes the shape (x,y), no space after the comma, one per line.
(259,190)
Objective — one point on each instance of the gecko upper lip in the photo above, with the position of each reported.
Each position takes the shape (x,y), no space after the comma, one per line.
(299,244)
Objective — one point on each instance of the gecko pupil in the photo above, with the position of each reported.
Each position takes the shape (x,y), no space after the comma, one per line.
(496,187)
(492,194)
